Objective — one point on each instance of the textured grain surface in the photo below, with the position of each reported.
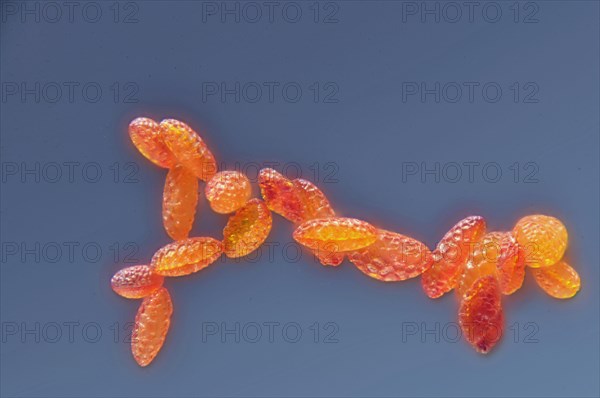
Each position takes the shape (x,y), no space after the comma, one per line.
(511,262)
(227,191)
(451,255)
(393,257)
(316,205)
(281,195)
(335,234)
(189,148)
(186,256)
(247,229)
(496,254)
(543,238)
(147,137)
(480,316)
(180,198)
(136,282)
(559,280)
(314,202)
(151,326)
(483,262)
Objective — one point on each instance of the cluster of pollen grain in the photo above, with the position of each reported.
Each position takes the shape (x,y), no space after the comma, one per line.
(484,266)
(480,266)
(299,201)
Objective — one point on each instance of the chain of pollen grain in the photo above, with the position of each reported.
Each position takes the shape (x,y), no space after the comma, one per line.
(480,266)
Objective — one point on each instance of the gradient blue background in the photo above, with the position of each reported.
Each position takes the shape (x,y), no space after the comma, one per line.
(368,134)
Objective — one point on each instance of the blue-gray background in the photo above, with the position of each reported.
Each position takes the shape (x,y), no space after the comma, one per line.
(158,58)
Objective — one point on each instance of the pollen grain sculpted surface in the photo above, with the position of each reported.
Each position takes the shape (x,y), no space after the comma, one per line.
(393,257)
(151,326)
(481,316)
(335,234)
(180,199)
(189,148)
(227,191)
(543,238)
(451,255)
(135,282)
(147,137)
(247,229)
(186,256)
(559,280)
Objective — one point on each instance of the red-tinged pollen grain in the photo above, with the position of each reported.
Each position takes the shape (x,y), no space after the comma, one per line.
(281,195)
(480,316)
(314,202)
(451,255)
